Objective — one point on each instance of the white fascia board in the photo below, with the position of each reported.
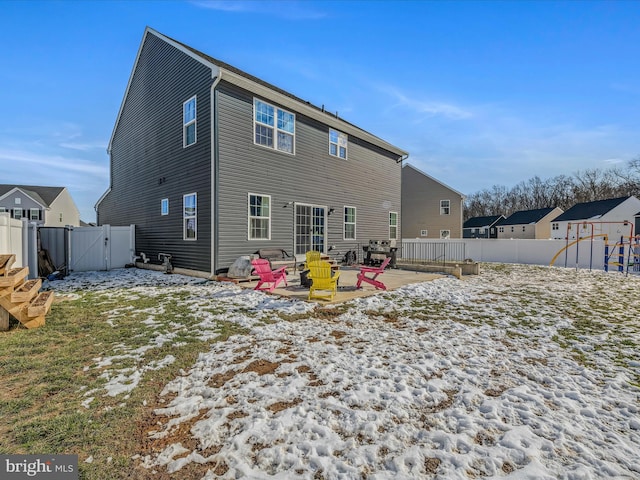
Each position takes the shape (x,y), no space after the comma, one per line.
(309,111)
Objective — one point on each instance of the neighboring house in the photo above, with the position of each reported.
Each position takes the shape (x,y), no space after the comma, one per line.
(613,217)
(528,223)
(430,209)
(211,163)
(481,227)
(46,206)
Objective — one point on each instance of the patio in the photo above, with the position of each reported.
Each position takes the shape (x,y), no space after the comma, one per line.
(392,278)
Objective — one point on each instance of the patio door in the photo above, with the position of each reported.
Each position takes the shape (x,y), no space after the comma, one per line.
(310,228)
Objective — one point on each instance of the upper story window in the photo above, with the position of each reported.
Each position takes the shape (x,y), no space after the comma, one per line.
(34,214)
(189,122)
(273,127)
(393,225)
(164,206)
(3,209)
(349,223)
(445,207)
(501,229)
(424,233)
(17,213)
(445,234)
(555,226)
(190,216)
(338,144)
(259,217)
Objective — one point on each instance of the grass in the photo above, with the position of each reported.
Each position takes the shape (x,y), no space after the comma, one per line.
(45,373)
(48,373)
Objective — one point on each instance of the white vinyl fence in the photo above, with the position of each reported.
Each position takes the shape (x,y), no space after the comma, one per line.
(11,241)
(79,249)
(585,254)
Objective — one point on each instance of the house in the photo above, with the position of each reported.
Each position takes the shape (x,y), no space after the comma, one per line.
(46,206)
(612,218)
(528,223)
(430,209)
(481,227)
(211,163)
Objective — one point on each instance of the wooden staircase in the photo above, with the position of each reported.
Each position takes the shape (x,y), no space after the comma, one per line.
(19,297)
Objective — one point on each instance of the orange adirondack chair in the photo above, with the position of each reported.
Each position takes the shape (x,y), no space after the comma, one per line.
(269,279)
(362,277)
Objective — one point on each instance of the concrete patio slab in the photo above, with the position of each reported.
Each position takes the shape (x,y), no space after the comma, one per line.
(392,278)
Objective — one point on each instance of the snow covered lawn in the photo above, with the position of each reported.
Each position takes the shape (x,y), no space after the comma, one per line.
(520,372)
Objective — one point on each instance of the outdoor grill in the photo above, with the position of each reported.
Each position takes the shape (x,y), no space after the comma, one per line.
(377,251)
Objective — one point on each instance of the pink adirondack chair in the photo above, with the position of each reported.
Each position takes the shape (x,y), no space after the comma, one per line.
(362,276)
(269,279)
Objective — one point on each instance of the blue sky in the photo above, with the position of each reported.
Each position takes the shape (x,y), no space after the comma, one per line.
(479,93)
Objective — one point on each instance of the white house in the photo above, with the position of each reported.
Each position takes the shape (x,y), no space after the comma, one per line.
(613,218)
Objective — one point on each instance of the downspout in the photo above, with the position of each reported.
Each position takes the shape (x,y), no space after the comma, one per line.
(214,172)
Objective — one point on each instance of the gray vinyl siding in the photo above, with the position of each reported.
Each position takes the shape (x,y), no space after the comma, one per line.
(149,163)
(369,180)
(421,197)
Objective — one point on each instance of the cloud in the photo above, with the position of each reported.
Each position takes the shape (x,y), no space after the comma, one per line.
(289,9)
(83,147)
(54,165)
(426,107)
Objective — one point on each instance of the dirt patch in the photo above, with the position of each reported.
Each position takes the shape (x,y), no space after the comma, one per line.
(431,465)
(446,403)
(495,392)
(280,406)
(261,367)
(337,334)
(219,379)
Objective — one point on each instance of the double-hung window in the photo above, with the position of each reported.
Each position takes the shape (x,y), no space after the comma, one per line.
(17,213)
(445,207)
(34,214)
(259,217)
(393,225)
(273,127)
(189,122)
(349,223)
(190,216)
(338,144)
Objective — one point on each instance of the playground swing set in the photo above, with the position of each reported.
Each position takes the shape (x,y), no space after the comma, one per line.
(614,253)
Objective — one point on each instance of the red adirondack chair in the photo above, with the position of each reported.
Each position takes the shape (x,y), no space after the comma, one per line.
(269,279)
(362,277)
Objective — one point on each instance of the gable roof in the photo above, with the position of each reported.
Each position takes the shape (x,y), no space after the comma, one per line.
(43,195)
(526,217)
(407,165)
(223,71)
(479,222)
(588,210)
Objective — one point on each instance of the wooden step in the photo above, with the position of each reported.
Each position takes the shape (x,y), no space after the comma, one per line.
(14,277)
(26,291)
(5,262)
(41,304)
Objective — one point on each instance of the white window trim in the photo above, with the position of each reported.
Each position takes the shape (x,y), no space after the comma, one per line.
(36,211)
(163,202)
(249,216)
(442,237)
(18,201)
(186,217)
(393,226)
(447,208)
(424,233)
(13,213)
(274,146)
(354,223)
(341,137)
(186,123)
